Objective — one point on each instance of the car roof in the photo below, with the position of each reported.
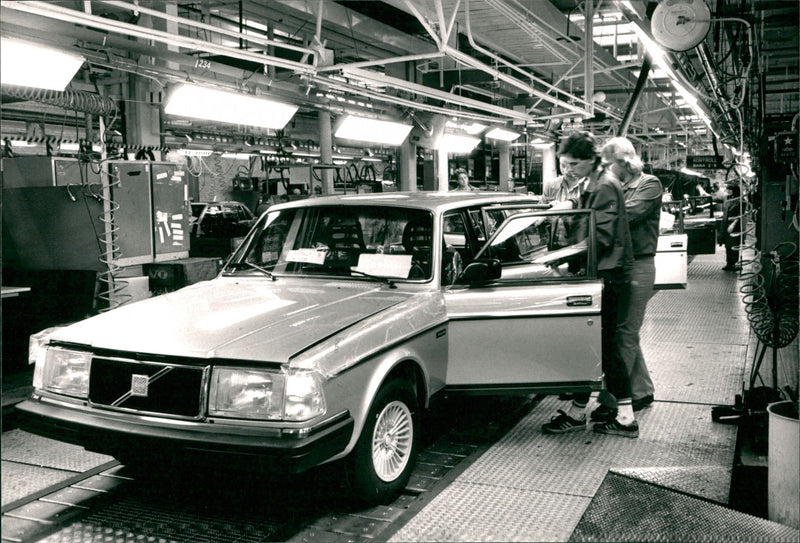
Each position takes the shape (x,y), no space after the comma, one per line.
(433,201)
(226,202)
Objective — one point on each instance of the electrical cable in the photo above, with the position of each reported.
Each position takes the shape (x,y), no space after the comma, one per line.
(112,288)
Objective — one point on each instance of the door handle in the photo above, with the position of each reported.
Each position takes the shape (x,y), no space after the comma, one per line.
(676,244)
(578,301)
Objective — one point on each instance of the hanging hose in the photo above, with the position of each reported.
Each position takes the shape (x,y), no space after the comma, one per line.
(73,100)
(771,310)
(112,288)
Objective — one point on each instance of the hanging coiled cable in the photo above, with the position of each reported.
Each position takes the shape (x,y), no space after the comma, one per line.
(74,100)
(113,290)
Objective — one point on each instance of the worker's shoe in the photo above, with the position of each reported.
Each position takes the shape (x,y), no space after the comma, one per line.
(563,423)
(603,413)
(642,403)
(616,429)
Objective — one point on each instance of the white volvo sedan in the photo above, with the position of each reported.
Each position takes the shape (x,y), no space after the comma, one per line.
(328,332)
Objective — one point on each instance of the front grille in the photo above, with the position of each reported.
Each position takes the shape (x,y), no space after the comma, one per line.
(146,387)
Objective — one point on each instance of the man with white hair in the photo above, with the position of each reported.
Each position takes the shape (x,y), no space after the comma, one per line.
(643,193)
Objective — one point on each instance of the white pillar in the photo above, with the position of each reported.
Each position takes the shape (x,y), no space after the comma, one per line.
(407,167)
(506,180)
(548,164)
(442,173)
(325,152)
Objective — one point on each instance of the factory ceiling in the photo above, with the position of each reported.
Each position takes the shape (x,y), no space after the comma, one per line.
(524,64)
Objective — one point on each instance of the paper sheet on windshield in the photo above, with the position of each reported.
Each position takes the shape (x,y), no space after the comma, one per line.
(308,256)
(384,265)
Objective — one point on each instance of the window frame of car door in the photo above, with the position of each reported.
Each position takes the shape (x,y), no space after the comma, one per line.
(544,211)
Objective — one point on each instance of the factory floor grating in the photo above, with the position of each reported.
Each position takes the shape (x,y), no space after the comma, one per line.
(625,509)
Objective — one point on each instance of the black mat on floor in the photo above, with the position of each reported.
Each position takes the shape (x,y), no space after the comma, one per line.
(626,509)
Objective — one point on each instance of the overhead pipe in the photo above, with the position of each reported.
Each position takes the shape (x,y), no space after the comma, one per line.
(394,82)
(703,55)
(475,63)
(396,100)
(634,99)
(588,57)
(57,12)
(379,62)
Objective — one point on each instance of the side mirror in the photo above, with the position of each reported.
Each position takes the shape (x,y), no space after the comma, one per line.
(481,271)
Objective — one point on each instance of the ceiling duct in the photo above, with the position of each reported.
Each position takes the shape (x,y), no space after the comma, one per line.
(428,128)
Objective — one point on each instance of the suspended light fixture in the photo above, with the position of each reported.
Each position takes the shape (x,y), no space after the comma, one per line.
(470,128)
(30,65)
(456,144)
(502,134)
(228,107)
(373,130)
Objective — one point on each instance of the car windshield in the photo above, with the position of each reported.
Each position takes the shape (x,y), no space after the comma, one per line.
(345,241)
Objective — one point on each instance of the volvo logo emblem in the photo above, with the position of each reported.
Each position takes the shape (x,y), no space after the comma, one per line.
(139,385)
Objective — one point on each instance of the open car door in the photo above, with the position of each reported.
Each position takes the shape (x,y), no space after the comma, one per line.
(533,325)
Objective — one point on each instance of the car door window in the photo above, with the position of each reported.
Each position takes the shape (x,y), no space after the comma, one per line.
(543,245)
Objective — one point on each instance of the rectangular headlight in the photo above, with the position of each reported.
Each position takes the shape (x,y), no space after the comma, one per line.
(246,394)
(256,394)
(63,371)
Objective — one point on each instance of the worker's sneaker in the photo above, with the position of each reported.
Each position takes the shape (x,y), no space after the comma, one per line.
(615,428)
(603,413)
(563,423)
(642,403)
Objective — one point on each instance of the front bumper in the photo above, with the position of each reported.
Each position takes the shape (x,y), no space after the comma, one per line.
(134,438)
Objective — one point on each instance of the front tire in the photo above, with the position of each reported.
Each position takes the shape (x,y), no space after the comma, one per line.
(386,451)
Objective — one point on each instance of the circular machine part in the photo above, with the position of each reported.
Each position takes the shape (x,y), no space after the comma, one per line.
(680,25)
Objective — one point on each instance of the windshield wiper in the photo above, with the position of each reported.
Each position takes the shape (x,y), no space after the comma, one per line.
(239,265)
(375,277)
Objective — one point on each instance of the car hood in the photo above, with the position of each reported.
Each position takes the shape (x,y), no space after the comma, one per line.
(242,318)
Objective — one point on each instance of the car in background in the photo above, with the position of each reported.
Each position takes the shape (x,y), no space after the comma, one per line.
(329,331)
(220,219)
(217,228)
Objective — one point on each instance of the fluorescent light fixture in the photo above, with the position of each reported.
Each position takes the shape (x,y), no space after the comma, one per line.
(21,143)
(502,134)
(373,130)
(470,128)
(237,156)
(455,144)
(30,65)
(69,146)
(195,152)
(228,107)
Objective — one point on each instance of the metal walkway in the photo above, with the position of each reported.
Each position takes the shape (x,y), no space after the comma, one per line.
(490,475)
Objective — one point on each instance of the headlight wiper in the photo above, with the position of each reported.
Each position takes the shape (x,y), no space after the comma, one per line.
(240,265)
(375,277)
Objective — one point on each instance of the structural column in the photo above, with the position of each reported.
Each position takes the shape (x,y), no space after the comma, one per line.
(407,166)
(325,152)
(442,172)
(506,179)
(548,164)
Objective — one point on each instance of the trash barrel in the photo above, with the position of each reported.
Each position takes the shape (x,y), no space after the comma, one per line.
(783,463)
